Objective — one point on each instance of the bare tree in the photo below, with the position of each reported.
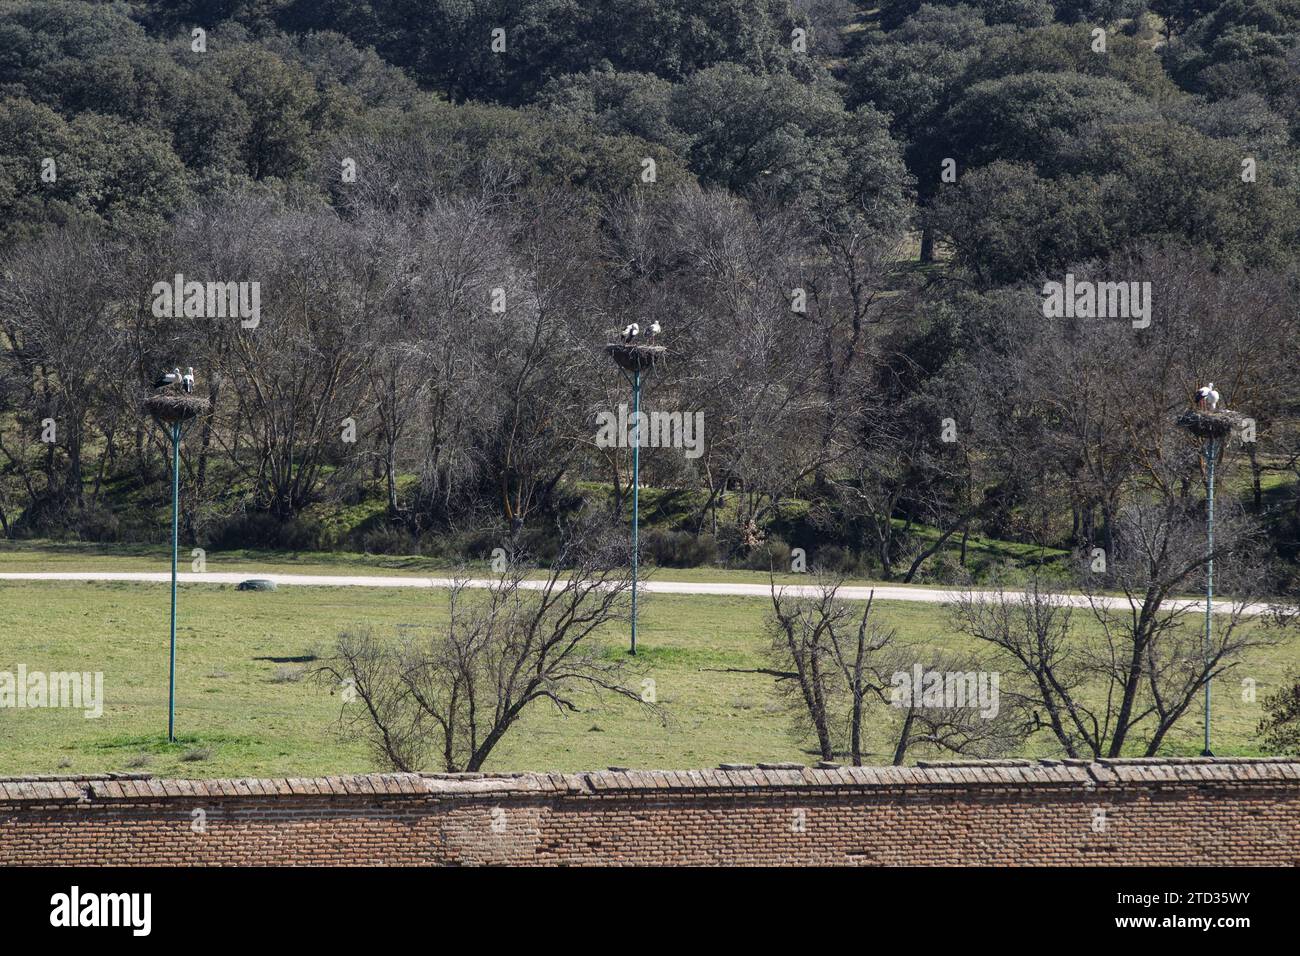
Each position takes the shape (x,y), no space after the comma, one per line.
(808,652)
(1130,683)
(58,303)
(1153,660)
(296,376)
(460,258)
(1033,635)
(721,274)
(960,722)
(833,661)
(536,356)
(1080,412)
(451,698)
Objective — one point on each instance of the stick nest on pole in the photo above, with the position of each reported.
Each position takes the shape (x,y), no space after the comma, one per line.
(637,358)
(1205,424)
(179,407)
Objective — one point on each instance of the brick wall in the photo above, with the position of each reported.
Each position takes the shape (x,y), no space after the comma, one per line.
(1151,812)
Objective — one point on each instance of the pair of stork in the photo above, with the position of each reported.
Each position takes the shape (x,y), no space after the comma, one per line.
(174,378)
(1207,398)
(633,332)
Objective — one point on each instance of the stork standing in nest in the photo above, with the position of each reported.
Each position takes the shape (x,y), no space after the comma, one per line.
(1207,399)
(168,379)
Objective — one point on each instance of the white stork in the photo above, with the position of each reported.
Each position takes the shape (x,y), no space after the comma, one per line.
(631,332)
(172,378)
(1207,397)
(187,380)
(655,329)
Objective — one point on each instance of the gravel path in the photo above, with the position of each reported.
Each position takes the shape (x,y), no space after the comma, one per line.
(882,592)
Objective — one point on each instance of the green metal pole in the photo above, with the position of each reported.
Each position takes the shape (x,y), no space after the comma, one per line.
(1209,591)
(636,491)
(176,497)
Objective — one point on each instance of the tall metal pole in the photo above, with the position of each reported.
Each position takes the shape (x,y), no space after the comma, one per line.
(176,494)
(636,492)
(1209,590)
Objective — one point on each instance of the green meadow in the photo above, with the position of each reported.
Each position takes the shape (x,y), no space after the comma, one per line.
(247,704)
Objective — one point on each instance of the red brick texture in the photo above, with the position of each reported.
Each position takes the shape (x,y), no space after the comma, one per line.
(1130,812)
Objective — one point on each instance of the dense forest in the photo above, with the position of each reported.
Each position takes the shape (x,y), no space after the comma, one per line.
(843,215)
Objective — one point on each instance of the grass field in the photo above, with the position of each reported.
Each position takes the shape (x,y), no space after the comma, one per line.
(78,556)
(44,555)
(245,708)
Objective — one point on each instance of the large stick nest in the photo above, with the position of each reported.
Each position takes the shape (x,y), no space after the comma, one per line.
(1205,424)
(168,408)
(636,358)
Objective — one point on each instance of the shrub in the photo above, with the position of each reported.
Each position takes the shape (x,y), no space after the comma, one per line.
(679,549)
(305,534)
(51,517)
(541,542)
(942,568)
(252,530)
(388,540)
(773,554)
(93,523)
(260,529)
(835,559)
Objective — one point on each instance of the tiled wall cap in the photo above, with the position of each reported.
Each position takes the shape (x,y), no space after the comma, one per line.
(944,774)
(975,763)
